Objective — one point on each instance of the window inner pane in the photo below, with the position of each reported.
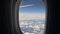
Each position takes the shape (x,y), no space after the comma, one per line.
(32,14)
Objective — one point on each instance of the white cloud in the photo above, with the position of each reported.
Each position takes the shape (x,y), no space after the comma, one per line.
(31,16)
(26,6)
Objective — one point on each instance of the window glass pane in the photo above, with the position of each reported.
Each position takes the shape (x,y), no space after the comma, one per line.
(32,14)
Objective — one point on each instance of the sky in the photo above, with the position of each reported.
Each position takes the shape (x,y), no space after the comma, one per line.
(31,9)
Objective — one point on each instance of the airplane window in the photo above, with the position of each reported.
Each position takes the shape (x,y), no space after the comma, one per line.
(32,16)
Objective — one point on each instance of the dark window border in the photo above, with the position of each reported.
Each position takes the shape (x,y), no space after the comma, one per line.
(15,16)
(7,19)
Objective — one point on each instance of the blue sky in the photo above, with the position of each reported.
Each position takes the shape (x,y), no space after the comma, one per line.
(31,6)
(31,9)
